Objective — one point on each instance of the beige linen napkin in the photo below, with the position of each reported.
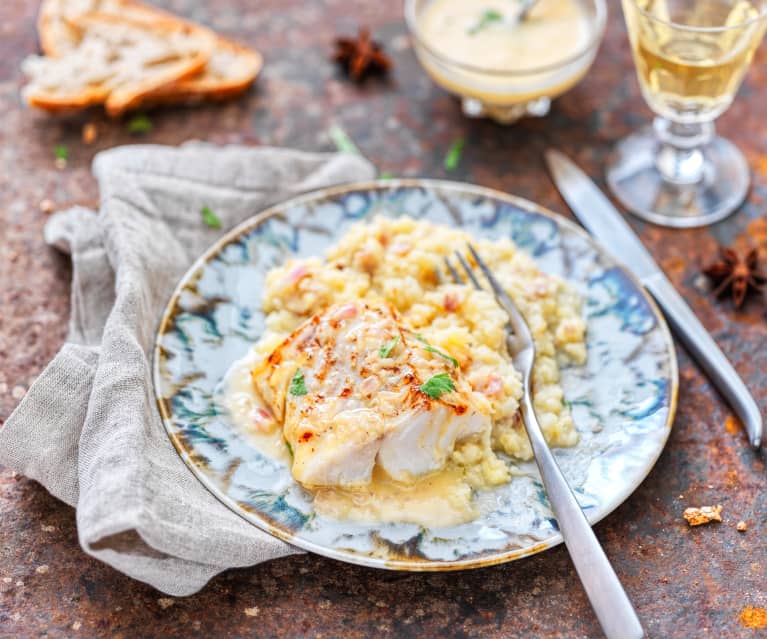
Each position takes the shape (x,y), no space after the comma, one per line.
(88,429)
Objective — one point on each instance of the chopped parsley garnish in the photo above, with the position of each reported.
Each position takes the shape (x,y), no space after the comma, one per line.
(61,152)
(342,140)
(436,386)
(210,218)
(488,17)
(444,356)
(430,349)
(298,384)
(289,447)
(386,175)
(387,348)
(139,124)
(453,156)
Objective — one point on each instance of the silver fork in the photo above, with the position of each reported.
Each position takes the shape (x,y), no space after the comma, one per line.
(604,589)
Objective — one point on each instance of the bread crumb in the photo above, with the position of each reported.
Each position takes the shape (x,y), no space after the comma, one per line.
(742,527)
(165,602)
(89,133)
(41,570)
(753,617)
(48,528)
(252,612)
(18,392)
(703,515)
(7,580)
(76,625)
(60,163)
(46,206)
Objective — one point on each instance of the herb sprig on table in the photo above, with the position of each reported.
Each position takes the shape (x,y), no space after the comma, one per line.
(210,218)
(453,157)
(139,124)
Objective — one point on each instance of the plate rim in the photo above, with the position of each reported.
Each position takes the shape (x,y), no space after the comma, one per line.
(412,565)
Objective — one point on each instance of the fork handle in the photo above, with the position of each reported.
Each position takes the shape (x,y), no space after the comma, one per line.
(605,592)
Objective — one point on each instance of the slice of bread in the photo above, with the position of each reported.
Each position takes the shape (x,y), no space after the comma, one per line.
(229,72)
(116,61)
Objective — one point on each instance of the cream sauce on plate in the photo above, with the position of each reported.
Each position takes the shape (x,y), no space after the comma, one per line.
(438,499)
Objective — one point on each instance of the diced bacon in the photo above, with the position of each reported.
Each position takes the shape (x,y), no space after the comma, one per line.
(493,385)
(369,385)
(296,274)
(400,247)
(263,420)
(451,302)
(347,311)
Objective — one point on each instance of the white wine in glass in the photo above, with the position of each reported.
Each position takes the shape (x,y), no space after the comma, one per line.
(691,57)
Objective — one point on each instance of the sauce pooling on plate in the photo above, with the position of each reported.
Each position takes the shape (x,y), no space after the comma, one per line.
(486,35)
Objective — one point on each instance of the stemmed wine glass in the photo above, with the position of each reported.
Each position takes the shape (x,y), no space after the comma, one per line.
(691,57)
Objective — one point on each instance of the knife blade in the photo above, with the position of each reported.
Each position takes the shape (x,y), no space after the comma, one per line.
(604,222)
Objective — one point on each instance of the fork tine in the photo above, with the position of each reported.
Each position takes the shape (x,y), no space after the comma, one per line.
(494,283)
(468,270)
(456,275)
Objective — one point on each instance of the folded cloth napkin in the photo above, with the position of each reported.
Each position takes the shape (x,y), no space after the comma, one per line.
(88,429)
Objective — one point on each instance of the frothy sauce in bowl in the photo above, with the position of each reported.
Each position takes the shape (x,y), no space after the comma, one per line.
(481,50)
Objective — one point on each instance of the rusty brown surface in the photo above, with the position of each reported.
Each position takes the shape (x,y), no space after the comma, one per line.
(707,581)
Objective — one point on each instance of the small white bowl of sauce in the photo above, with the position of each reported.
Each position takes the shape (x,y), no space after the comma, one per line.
(502,67)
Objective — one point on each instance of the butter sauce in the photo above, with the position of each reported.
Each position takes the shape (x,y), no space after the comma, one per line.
(442,498)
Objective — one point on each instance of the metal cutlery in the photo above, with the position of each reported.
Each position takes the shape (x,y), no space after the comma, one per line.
(600,217)
(604,589)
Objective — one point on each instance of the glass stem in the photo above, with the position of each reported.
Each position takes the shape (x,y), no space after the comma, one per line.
(680,158)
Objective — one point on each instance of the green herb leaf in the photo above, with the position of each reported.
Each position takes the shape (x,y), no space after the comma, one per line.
(210,218)
(298,384)
(436,386)
(453,156)
(387,348)
(488,17)
(289,447)
(444,356)
(430,349)
(61,152)
(386,175)
(342,141)
(139,124)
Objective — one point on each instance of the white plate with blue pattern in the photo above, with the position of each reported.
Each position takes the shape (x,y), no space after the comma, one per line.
(623,400)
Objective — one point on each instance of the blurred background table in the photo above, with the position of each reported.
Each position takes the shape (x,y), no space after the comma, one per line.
(684,582)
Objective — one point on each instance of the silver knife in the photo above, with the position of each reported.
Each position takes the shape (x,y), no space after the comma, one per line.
(605,223)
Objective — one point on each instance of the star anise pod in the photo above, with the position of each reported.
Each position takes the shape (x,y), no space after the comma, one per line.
(361,55)
(738,274)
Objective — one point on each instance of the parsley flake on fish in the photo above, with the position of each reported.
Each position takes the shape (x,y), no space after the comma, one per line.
(298,384)
(438,385)
(387,348)
(430,349)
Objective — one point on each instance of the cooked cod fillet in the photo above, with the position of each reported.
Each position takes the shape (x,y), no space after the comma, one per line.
(354,388)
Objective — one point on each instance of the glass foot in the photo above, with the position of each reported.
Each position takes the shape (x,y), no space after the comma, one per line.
(635,179)
(473,108)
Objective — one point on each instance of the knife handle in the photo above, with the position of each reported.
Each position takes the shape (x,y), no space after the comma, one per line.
(704,350)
